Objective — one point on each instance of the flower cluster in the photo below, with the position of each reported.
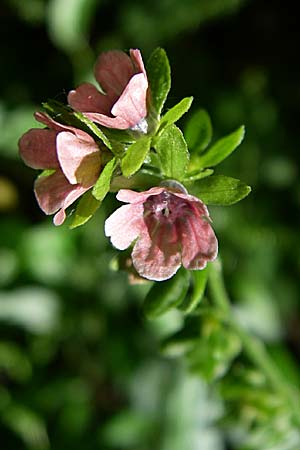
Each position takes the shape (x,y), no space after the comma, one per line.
(101,140)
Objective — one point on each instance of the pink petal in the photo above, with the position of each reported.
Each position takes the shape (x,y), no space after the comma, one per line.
(137,60)
(124,225)
(80,161)
(54,125)
(113,70)
(131,106)
(129,196)
(110,122)
(87,98)
(54,192)
(37,149)
(199,243)
(157,257)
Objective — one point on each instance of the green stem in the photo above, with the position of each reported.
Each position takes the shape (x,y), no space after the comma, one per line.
(254,348)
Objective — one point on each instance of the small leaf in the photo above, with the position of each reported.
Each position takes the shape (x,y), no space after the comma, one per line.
(85,209)
(93,127)
(166,294)
(135,156)
(221,149)
(199,278)
(102,185)
(198,131)
(176,112)
(159,76)
(173,153)
(220,190)
(198,175)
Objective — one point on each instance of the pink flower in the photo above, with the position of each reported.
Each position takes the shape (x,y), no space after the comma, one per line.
(124,80)
(71,152)
(170,228)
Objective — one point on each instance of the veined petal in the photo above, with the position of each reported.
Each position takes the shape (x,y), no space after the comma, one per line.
(131,105)
(137,60)
(80,161)
(124,225)
(157,257)
(87,98)
(113,70)
(198,240)
(38,149)
(54,193)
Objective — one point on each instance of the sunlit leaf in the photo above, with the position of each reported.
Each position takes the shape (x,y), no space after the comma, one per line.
(135,156)
(102,185)
(176,112)
(221,149)
(220,190)
(159,76)
(173,153)
(198,131)
(86,208)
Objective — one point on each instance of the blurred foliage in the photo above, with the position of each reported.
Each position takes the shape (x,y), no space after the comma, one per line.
(79,365)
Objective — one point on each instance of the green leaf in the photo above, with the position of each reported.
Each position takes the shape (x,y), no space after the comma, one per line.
(220,190)
(176,112)
(159,76)
(93,127)
(199,278)
(165,295)
(85,209)
(102,185)
(221,149)
(135,156)
(173,153)
(198,175)
(198,131)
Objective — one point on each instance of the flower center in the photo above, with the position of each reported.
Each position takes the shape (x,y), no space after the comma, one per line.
(164,208)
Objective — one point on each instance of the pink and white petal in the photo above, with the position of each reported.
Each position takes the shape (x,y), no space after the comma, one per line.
(157,257)
(38,149)
(110,122)
(131,105)
(198,240)
(54,192)
(87,98)
(124,225)
(54,125)
(201,207)
(137,60)
(129,196)
(113,70)
(80,161)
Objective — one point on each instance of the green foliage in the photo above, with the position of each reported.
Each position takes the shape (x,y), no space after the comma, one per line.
(94,128)
(159,76)
(86,208)
(173,152)
(102,185)
(198,131)
(199,280)
(174,114)
(220,190)
(166,295)
(135,156)
(221,149)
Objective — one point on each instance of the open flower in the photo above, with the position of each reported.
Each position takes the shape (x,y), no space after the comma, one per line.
(124,81)
(74,156)
(170,227)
